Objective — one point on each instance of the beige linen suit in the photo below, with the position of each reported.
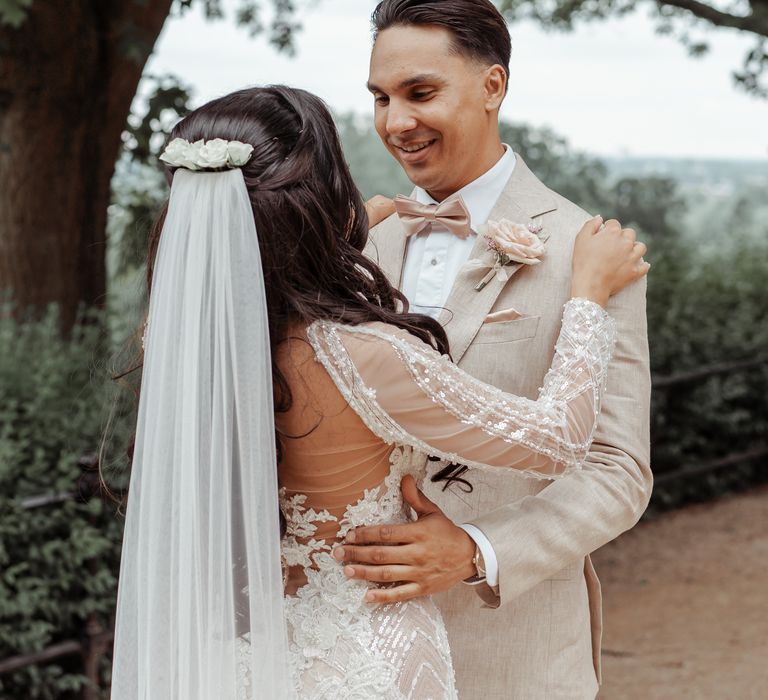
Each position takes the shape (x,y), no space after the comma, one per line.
(538,636)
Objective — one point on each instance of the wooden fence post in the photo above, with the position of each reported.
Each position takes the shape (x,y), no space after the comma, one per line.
(94,648)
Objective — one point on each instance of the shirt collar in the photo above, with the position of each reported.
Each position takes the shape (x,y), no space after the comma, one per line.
(481,194)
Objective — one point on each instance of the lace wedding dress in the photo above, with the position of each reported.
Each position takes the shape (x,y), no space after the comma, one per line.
(369,403)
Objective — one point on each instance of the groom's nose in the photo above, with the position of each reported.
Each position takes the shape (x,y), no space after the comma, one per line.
(399,118)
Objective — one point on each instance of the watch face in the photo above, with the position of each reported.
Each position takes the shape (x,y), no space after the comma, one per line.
(480,563)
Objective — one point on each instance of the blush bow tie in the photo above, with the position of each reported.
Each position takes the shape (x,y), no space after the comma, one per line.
(451,213)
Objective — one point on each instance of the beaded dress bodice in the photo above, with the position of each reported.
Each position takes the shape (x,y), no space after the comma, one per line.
(369,404)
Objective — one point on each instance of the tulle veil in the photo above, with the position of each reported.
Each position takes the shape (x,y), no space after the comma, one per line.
(200,603)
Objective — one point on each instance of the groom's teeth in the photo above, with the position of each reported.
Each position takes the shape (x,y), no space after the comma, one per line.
(416,147)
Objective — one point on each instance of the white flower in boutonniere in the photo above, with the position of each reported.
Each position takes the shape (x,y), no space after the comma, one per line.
(510,243)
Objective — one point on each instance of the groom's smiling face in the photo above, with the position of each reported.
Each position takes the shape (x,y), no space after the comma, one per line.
(436,109)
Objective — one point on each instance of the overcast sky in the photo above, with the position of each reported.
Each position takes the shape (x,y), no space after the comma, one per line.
(612,88)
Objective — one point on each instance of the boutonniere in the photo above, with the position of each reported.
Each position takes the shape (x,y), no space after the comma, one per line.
(509,243)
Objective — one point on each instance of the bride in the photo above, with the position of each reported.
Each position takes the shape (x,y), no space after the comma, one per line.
(286,393)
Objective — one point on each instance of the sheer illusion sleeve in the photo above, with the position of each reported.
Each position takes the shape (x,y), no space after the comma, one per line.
(407,393)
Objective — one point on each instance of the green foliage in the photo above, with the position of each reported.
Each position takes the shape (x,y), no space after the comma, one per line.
(754,67)
(650,204)
(138,184)
(139,190)
(151,118)
(138,193)
(58,563)
(563,14)
(682,19)
(576,176)
(708,305)
(375,171)
(282,27)
(707,309)
(13,12)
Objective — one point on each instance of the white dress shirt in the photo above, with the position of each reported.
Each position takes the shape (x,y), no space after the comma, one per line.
(432,262)
(433,258)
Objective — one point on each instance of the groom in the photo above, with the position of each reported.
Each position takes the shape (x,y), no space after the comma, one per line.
(516,585)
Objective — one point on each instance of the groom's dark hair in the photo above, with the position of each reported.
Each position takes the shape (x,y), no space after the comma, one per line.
(479,31)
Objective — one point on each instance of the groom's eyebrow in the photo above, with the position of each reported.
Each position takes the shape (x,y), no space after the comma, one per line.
(409,82)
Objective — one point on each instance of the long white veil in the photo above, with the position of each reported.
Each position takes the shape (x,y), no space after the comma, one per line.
(200,603)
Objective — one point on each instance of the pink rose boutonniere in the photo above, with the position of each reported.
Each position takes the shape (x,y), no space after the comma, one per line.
(510,243)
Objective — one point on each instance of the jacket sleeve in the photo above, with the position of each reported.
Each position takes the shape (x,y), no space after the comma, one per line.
(538,536)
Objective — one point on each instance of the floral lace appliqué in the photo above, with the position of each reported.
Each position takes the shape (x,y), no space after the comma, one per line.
(338,643)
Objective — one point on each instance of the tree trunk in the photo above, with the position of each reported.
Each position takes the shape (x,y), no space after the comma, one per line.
(68,76)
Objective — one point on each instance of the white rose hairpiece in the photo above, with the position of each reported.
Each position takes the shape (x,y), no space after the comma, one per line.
(206,155)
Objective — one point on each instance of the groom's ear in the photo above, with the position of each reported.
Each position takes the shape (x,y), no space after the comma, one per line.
(495,86)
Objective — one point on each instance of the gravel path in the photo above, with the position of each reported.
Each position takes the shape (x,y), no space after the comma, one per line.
(686,604)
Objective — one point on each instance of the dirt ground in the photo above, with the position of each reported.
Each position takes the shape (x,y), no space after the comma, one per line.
(686,604)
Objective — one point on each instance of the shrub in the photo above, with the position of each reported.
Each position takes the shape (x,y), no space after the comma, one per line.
(58,563)
(707,309)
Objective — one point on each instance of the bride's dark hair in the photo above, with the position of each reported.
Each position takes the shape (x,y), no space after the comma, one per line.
(310,218)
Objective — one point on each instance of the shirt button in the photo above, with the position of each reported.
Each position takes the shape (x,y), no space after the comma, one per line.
(433,261)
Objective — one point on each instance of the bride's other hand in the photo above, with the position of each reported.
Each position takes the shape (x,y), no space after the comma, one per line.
(379,208)
(606,258)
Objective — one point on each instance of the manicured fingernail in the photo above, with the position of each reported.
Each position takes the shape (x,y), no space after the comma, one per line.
(350,536)
(338,553)
(349,572)
(368,598)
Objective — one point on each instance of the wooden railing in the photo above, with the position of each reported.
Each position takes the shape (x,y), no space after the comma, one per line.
(706,371)
(692,377)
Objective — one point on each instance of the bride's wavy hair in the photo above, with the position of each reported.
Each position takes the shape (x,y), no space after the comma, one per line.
(310,218)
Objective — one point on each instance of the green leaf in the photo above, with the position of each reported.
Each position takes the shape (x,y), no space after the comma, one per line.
(14,12)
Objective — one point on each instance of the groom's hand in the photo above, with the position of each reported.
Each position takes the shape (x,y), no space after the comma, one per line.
(424,557)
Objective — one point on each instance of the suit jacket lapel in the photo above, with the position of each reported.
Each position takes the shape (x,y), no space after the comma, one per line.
(523,198)
(387,248)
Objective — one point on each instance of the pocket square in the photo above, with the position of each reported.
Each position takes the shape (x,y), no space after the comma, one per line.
(503,315)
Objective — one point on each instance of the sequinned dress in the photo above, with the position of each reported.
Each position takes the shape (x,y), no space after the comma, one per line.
(369,404)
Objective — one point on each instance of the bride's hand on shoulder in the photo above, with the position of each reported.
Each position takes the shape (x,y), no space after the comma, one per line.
(379,208)
(606,259)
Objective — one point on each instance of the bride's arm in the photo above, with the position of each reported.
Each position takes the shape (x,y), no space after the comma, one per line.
(407,393)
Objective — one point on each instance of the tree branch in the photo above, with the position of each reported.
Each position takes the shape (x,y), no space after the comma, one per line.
(747,23)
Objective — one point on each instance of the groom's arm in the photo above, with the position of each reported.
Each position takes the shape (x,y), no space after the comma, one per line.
(538,536)
(535,538)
